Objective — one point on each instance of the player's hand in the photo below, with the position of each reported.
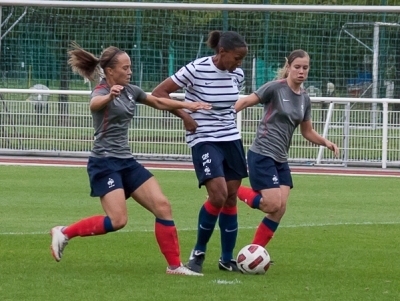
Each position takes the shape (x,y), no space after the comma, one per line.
(116,90)
(190,124)
(333,147)
(194,106)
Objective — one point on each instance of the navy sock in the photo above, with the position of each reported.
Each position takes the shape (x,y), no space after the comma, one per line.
(270,224)
(205,228)
(108,225)
(256,201)
(228,225)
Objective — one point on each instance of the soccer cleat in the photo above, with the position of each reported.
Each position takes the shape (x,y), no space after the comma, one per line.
(182,270)
(58,242)
(196,260)
(230,266)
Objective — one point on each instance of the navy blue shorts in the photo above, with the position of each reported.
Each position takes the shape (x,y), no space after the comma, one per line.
(108,174)
(265,172)
(219,159)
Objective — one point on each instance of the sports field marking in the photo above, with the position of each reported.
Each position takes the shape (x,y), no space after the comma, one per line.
(240,228)
(347,173)
(224,282)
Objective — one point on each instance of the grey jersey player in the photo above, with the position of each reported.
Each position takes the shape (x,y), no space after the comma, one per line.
(286,106)
(114,174)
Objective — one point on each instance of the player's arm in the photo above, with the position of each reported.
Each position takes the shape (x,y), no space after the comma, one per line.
(247,101)
(311,135)
(98,102)
(167,87)
(170,104)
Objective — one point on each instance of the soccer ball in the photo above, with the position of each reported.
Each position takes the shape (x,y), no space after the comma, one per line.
(253,259)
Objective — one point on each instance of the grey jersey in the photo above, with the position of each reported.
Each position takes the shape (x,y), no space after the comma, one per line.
(284,110)
(111,123)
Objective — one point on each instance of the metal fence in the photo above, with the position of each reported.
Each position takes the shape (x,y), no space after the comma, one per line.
(32,127)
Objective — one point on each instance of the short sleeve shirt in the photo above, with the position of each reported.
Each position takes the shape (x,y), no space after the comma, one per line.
(204,82)
(112,122)
(284,110)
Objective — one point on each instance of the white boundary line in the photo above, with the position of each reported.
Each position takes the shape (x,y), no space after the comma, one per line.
(347,174)
(310,225)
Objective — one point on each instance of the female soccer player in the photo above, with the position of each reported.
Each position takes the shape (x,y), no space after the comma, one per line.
(217,150)
(286,105)
(113,172)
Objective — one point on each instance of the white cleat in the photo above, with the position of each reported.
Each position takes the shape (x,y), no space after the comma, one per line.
(182,270)
(58,242)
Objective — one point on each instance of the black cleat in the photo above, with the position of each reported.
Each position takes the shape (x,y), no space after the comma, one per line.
(230,266)
(196,260)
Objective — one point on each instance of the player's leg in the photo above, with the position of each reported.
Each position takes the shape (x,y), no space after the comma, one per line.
(110,190)
(228,224)
(208,163)
(268,226)
(271,182)
(271,221)
(150,196)
(235,169)
(114,206)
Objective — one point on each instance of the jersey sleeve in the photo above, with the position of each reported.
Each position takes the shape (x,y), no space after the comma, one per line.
(99,90)
(185,76)
(241,81)
(266,92)
(307,109)
(138,94)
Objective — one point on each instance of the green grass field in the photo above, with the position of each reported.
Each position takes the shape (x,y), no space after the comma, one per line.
(338,241)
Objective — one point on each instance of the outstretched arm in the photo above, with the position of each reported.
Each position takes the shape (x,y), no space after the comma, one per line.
(311,135)
(167,87)
(247,101)
(170,104)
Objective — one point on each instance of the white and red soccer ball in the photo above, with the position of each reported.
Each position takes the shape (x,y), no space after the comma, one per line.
(253,259)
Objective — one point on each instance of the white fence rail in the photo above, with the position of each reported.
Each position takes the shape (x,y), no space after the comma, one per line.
(205,6)
(53,128)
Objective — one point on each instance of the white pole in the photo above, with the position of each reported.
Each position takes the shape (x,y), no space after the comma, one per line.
(375,75)
(239,122)
(205,6)
(253,74)
(325,133)
(384,134)
(1,14)
(346,134)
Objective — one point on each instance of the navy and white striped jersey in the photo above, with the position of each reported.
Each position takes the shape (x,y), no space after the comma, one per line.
(203,81)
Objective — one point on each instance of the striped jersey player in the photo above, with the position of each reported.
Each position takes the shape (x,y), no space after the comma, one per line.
(217,150)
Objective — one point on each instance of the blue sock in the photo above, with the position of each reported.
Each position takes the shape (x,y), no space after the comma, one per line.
(256,201)
(205,228)
(228,225)
(108,225)
(270,224)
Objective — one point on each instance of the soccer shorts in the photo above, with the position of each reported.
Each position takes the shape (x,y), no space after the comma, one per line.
(265,172)
(110,173)
(219,159)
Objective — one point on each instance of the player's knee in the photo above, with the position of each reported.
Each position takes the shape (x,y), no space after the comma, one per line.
(162,208)
(217,200)
(119,222)
(272,205)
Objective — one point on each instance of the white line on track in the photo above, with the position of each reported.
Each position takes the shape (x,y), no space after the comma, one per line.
(195,229)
